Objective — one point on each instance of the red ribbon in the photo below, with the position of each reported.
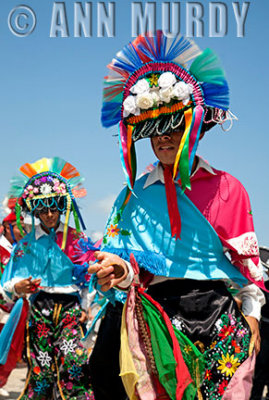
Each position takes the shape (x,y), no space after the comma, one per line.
(171,197)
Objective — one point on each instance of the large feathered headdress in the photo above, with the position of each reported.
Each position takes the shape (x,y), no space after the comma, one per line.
(152,89)
(48,178)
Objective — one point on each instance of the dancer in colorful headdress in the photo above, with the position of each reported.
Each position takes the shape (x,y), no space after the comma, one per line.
(182,334)
(9,236)
(45,265)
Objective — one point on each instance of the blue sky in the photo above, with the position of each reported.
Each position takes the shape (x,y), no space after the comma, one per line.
(51,96)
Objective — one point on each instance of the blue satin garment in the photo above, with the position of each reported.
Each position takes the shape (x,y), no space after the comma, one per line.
(41,258)
(144,230)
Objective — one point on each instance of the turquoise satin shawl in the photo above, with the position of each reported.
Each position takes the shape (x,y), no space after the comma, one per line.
(144,230)
(40,258)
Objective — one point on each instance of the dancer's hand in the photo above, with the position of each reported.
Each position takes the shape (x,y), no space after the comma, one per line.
(27,285)
(83,317)
(110,269)
(255,329)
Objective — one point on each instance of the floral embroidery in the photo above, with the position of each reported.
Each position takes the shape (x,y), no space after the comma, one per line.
(208,375)
(44,358)
(236,347)
(21,249)
(113,230)
(69,320)
(69,386)
(246,244)
(227,351)
(41,386)
(241,332)
(46,312)
(58,348)
(226,331)
(37,370)
(68,346)
(222,387)
(19,253)
(188,349)
(228,364)
(213,344)
(75,372)
(42,330)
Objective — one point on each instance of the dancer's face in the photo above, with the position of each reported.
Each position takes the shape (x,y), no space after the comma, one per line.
(50,218)
(166,147)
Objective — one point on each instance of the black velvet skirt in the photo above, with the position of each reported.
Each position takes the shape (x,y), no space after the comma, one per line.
(208,315)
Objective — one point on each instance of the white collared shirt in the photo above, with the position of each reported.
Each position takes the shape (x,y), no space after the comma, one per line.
(157,174)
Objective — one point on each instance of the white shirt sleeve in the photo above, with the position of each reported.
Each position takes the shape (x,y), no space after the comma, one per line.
(9,291)
(129,278)
(252,300)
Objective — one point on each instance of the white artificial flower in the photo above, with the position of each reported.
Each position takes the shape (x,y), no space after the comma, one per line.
(140,87)
(182,90)
(144,101)
(166,94)
(186,100)
(129,106)
(45,188)
(166,80)
(45,312)
(155,97)
(44,358)
(68,346)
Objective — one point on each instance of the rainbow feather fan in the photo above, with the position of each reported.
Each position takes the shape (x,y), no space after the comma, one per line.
(205,69)
(54,165)
(56,169)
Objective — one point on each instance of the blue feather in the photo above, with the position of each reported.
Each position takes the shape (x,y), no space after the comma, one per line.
(130,53)
(111,114)
(216,95)
(178,47)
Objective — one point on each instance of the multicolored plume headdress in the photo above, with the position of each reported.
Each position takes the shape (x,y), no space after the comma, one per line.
(151,91)
(48,183)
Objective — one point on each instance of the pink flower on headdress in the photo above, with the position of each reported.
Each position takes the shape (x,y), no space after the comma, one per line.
(43,179)
(56,189)
(37,182)
(25,193)
(36,190)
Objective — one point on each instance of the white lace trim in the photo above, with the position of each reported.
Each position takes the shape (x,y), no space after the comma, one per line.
(256,271)
(246,244)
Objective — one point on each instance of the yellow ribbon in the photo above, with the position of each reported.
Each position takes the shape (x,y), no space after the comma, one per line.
(188,120)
